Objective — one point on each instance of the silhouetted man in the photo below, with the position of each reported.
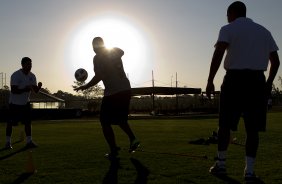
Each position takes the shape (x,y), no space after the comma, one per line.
(249,48)
(108,68)
(23,81)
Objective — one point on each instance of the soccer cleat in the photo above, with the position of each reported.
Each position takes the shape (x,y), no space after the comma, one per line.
(8,146)
(31,144)
(113,154)
(134,145)
(218,170)
(251,178)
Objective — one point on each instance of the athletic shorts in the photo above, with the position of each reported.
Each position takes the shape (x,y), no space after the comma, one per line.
(19,113)
(115,108)
(243,94)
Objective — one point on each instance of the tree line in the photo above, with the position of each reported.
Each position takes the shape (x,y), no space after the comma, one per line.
(90,100)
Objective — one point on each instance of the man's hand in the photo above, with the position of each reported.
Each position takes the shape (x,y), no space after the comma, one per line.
(210,89)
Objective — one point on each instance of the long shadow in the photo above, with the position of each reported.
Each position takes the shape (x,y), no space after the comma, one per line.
(13,153)
(111,176)
(22,178)
(16,142)
(230,180)
(142,172)
(227,179)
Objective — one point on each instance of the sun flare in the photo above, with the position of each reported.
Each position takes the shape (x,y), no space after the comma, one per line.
(116,33)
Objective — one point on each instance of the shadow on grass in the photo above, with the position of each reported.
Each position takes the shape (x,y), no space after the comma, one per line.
(230,180)
(227,179)
(111,176)
(22,178)
(16,142)
(142,172)
(13,153)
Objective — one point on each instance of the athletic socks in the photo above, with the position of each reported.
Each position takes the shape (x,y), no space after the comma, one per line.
(250,162)
(221,156)
(8,139)
(28,139)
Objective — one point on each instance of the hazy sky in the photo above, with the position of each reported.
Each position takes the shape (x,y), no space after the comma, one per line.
(163,36)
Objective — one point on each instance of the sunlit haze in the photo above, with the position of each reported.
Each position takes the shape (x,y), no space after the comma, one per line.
(116,32)
(166,37)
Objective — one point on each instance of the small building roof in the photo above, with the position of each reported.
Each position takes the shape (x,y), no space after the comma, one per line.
(164,91)
(44,97)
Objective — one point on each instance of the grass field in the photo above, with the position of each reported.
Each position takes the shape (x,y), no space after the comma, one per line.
(71,151)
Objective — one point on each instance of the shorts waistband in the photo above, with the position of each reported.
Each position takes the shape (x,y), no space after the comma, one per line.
(245,71)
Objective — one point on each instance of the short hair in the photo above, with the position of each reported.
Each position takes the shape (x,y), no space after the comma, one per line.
(239,8)
(98,42)
(25,60)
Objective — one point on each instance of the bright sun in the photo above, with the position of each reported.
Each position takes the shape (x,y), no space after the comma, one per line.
(116,33)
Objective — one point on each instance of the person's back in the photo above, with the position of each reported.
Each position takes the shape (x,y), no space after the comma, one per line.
(249,45)
(109,66)
(249,49)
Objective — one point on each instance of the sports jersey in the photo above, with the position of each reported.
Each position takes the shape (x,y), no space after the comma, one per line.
(249,45)
(18,78)
(108,65)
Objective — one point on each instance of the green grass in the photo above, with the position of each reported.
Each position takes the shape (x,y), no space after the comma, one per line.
(71,151)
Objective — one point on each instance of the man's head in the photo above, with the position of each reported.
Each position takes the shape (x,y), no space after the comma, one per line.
(236,10)
(26,64)
(97,44)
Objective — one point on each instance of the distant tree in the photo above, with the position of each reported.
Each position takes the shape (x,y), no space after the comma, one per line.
(45,90)
(64,95)
(275,90)
(280,80)
(89,93)
(4,97)
(71,100)
(276,93)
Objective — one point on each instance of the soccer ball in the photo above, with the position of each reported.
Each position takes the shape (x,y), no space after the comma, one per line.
(81,75)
